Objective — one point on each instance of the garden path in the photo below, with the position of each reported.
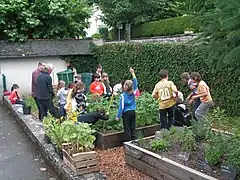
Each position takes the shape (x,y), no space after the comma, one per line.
(19,160)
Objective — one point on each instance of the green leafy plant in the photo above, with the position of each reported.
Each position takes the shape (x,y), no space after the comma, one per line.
(233,151)
(215,148)
(188,140)
(159,145)
(201,129)
(147,112)
(53,130)
(79,135)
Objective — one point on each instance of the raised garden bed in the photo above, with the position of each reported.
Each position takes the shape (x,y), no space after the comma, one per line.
(115,139)
(80,163)
(158,166)
(186,153)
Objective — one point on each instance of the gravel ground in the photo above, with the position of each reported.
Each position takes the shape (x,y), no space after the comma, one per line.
(112,164)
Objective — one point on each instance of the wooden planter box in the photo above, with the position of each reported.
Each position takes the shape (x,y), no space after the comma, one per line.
(159,167)
(111,140)
(81,163)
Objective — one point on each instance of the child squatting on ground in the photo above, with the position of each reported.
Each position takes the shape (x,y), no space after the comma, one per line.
(127,107)
(164,92)
(203,93)
(62,94)
(93,117)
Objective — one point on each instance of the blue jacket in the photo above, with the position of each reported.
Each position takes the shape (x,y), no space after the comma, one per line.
(127,101)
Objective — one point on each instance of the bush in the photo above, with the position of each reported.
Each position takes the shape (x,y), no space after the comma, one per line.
(149,58)
(164,27)
(103,31)
(96,36)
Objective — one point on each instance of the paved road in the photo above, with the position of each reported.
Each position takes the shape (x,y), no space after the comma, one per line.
(19,159)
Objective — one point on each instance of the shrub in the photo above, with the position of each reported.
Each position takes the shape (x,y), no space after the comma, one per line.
(149,58)
(164,27)
(103,31)
(96,36)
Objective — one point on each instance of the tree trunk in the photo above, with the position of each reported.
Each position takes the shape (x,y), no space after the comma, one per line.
(127,32)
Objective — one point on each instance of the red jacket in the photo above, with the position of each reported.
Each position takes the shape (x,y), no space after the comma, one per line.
(96,88)
(13,97)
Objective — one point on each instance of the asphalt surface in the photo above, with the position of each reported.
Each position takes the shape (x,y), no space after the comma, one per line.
(19,159)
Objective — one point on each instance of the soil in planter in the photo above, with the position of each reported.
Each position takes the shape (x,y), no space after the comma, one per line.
(191,162)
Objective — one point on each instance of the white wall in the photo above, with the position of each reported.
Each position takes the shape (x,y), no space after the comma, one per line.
(19,71)
(94,21)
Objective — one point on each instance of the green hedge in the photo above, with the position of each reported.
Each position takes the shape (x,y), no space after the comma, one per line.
(149,58)
(84,63)
(164,27)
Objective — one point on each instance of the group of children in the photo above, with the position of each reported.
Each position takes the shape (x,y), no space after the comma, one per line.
(167,95)
(165,92)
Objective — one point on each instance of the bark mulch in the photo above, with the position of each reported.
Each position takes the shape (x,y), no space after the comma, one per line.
(112,164)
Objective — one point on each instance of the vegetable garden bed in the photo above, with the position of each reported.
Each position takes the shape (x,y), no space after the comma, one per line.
(198,153)
(115,139)
(158,166)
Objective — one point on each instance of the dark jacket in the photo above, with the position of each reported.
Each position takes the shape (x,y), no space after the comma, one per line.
(92,117)
(44,86)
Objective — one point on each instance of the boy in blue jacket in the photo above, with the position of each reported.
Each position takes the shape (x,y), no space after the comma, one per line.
(127,107)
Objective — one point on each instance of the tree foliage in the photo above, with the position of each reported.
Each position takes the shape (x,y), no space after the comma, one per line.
(20,19)
(222,32)
(135,12)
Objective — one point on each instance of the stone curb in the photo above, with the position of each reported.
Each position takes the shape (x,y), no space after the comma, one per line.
(34,129)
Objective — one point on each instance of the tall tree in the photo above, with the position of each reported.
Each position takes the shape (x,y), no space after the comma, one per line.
(22,19)
(221,29)
(131,12)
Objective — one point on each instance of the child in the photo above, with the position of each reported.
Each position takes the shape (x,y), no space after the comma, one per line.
(193,87)
(76,100)
(14,98)
(164,92)
(127,107)
(93,117)
(118,88)
(62,93)
(203,93)
(106,85)
(96,87)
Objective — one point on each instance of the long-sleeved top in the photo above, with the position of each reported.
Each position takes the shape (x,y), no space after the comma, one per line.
(96,88)
(193,87)
(127,101)
(35,75)
(62,94)
(44,86)
(92,117)
(13,97)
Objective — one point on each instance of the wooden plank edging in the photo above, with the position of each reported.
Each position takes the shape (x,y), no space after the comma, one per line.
(154,155)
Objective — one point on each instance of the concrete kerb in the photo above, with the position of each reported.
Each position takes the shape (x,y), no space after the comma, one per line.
(34,129)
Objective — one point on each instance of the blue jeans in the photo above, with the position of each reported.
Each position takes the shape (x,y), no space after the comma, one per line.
(166,117)
(62,110)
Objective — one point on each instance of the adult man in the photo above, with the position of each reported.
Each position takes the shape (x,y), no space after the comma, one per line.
(45,92)
(35,75)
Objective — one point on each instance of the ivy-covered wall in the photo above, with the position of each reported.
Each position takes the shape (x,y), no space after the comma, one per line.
(149,58)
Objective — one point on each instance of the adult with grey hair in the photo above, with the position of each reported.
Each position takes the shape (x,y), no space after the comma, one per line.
(35,75)
(45,92)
